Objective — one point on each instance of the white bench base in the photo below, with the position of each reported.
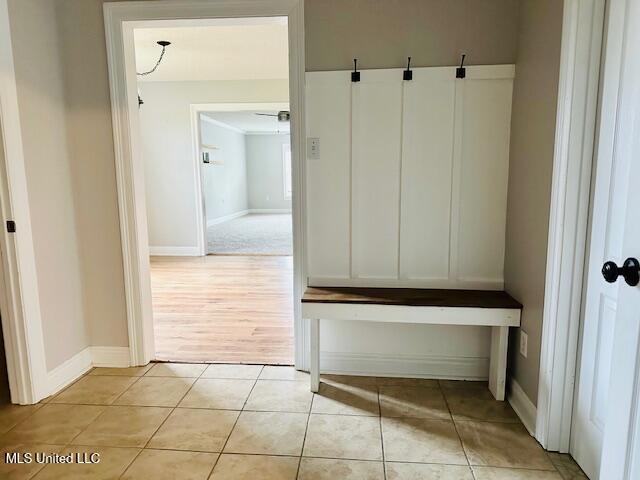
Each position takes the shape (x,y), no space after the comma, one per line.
(499,319)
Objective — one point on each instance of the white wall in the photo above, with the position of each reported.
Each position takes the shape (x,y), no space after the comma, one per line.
(265,175)
(224,186)
(167,144)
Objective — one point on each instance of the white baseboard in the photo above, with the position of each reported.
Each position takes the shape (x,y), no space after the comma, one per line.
(174,251)
(269,210)
(523,406)
(226,218)
(118,357)
(418,366)
(69,371)
(72,369)
(241,213)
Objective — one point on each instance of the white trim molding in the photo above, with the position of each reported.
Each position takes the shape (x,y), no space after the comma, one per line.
(175,251)
(409,366)
(19,299)
(196,110)
(114,357)
(582,33)
(270,210)
(218,123)
(69,371)
(120,19)
(226,218)
(242,213)
(523,406)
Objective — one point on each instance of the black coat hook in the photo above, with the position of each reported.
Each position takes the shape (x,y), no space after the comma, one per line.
(355,75)
(408,74)
(461,72)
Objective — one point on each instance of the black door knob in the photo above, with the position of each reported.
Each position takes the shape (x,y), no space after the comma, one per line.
(630,271)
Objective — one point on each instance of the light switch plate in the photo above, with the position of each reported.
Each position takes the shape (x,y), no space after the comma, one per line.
(313,148)
(524,343)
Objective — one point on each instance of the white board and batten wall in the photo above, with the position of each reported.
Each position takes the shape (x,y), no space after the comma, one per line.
(409,189)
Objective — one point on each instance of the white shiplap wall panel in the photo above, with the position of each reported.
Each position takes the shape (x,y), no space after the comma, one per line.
(484,169)
(410,189)
(328,107)
(427,156)
(376,148)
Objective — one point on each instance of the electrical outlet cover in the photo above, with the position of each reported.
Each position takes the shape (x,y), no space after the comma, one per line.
(524,343)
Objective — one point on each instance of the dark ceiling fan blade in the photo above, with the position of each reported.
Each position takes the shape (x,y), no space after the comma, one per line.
(282,115)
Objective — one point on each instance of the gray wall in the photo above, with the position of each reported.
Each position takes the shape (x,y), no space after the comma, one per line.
(531,159)
(92,166)
(38,48)
(383,33)
(225,186)
(265,175)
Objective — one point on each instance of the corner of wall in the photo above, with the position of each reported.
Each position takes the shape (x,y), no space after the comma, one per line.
(522,405)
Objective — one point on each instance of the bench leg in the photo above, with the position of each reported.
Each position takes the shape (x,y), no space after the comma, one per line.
(315,354)
(498,362)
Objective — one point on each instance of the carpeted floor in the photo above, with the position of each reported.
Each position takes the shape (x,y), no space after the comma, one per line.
(253,234)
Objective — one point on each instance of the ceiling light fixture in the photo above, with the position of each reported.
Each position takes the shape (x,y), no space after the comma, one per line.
(164,44)
(283,115)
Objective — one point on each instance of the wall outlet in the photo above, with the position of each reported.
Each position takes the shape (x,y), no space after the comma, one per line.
(313,148)
(524,342)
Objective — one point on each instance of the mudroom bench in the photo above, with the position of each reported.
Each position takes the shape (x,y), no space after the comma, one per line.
(495,309)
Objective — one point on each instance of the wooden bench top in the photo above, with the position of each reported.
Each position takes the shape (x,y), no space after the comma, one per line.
(414,297)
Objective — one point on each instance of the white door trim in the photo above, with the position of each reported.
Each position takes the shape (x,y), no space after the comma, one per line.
(582,34)
(195,110)
(19,298)
(119,18)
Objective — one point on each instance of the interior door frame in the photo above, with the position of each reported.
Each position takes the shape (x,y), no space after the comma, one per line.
(580,64)
(119,18)
(196,109)
(19,293)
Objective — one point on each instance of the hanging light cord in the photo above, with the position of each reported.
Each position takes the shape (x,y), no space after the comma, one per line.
(164,47)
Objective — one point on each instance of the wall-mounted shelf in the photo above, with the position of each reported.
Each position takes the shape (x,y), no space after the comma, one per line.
(209,154)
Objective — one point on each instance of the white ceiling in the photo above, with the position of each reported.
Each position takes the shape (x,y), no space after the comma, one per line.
(249,122)
(257,49)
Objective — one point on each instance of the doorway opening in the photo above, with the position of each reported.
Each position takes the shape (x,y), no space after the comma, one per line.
(215,143)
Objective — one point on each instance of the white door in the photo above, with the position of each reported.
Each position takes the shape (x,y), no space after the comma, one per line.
(610,335)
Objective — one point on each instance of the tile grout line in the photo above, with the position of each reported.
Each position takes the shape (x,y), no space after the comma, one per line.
(304,438)
(173,409)
(163,422)
(122,393)
(224,445)
(455,427)
(553,463)
(384,461)
(245,403)
(20,422)
(229,409)
(98,416)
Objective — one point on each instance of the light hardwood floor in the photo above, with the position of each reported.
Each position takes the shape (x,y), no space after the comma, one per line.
(222,308)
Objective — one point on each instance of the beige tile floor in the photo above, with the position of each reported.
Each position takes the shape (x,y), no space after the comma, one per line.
(223,422)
